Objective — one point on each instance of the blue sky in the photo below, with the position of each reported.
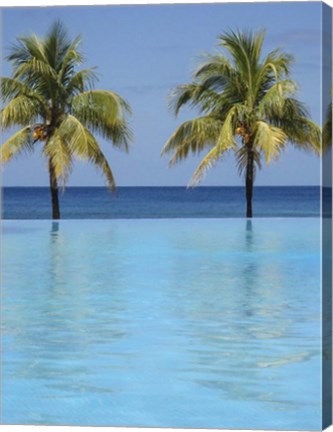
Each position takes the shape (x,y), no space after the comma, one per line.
(142,52)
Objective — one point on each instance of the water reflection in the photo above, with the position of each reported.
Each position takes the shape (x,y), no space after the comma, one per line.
(240,320)
(249,233)
(55,264)
(250,272)
(71,315)
(55,229)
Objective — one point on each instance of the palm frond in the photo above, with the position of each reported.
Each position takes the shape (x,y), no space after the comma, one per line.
(218,74)
(57,151)
(297,125)
(225,142)
(273,103)
(21,110)
(214,90)
(206,164)
(26,49)
(242,156)
(16,144)
(35,68)
(193,95)
(226,139)
(277,66)
(327,128)
(56,45)
(81,81)
(307,135)
(12,88)
(102,163)
(40,77)
(292,110)
(192,136)
(245,49)
(82,144)
(71,58)
(215,64)
(104,112)
(270,140)
(181,95)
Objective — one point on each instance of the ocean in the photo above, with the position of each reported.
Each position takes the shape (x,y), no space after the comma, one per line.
(160,202)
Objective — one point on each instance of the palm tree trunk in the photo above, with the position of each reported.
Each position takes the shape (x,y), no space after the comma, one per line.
(54,192)
(249,183)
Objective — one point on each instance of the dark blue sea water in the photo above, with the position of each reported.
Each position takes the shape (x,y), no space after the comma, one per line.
(160,202)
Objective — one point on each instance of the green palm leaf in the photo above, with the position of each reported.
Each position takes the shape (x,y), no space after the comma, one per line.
(103,112)
(192,136)
(81,81)
(60,156)
(82,144)
(270,140)
(21,110)
(327,129)
(242,160)
(19,142)
(224,142)
(273,103)
(208,162)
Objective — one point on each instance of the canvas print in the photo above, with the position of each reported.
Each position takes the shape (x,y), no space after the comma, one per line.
(166,215)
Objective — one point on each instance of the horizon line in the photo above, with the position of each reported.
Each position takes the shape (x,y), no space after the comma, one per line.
(160,186)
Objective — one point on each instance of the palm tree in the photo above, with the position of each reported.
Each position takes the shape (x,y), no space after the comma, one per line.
(247,105)
(57,105)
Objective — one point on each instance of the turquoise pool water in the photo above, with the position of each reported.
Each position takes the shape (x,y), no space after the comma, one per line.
(179,323)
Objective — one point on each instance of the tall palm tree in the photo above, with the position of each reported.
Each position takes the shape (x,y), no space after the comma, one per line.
(247,104)
(56,105)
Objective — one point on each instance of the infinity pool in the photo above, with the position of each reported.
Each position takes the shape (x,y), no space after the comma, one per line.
(179,323)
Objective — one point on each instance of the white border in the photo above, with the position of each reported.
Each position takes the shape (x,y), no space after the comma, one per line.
(14,3)
(14,428)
